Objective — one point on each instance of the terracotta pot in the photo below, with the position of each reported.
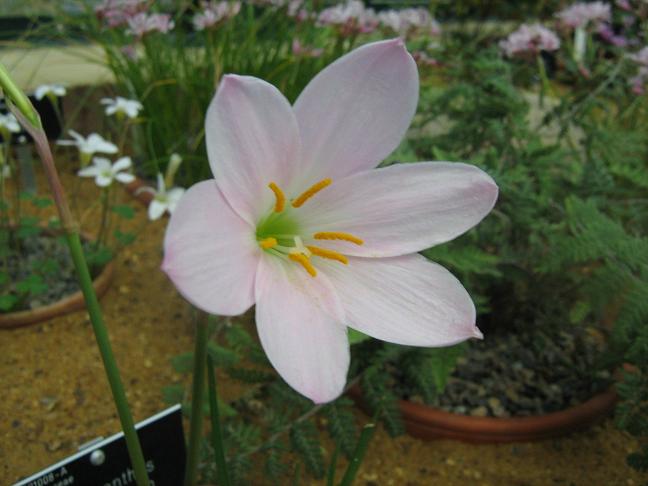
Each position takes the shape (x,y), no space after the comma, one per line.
(144,197)
(430,423)
(69,304)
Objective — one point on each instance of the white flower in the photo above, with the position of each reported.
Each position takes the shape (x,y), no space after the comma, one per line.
(49,90)
(95,143)
(104,172)
(143,23)
(163,200)
(8,123)
(122,106)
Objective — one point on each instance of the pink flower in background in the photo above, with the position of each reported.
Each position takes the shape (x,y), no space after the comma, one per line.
(115,13)
(298,221)
(608,35)
(640,57)
(409,20)
(351,18)
(214,13)
(422,59)
(305,51)
(530,39)
(143,23)
(579,15)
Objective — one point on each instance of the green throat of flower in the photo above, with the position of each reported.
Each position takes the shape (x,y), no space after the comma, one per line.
(279,233)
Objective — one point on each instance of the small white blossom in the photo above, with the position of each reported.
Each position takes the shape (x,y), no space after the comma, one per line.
(163,200)
(95,143)
(49,90)
(104,172)
(122,106)
(8,123)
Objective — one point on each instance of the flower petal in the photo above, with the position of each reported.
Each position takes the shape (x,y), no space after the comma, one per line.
(122,163)
(102,163)
(90,171)
(252,140)
(405,300)
(124,177)
(355,112)
(210,253)
(298,321)
(103,180)
(156,209)
(403,208)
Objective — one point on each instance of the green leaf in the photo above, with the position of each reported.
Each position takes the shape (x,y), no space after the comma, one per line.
(222,356)
(4,278)
(123,210)
(7,302)
(33,285)
(47,266)
(356,337)
(126,238)
(42,202)
(172,394)
(99,257)
(183,363)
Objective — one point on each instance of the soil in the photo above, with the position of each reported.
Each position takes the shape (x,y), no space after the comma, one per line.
(55,395)
(528,373)
(50,258)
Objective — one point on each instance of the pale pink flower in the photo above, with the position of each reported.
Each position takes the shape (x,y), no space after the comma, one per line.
(580,14)
(214,13)
(640,57)
(115,13)
(422,59)
(607,34)
(350,18)
(298,221)
(305,51)
(530,39)
(143,23)
(409,20)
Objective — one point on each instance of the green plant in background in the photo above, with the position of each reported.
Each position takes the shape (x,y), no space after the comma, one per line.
(174,71)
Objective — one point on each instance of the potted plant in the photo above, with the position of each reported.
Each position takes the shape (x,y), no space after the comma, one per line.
(545,366)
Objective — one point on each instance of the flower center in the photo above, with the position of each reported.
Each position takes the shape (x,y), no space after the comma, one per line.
(279,233)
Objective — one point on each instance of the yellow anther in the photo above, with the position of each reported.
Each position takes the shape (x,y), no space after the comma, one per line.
(310,192)
(304,262)
(280,198)
(268,243)
(330,254)
(336,235)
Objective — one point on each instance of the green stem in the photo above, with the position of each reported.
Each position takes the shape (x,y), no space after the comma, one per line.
(197,396)
(110,365)
(358,454)
(30,120)
(217,438)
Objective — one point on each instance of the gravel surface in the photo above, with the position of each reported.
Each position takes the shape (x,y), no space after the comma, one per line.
(523,374)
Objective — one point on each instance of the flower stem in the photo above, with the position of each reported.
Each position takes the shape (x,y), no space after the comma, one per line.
(217,438)
(197,396)
(30,120)
(358,454)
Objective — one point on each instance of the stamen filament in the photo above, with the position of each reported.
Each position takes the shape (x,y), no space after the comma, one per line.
(280,198)
(268,243)
(330,254)
(304,262)
(336,235)
(310,192)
